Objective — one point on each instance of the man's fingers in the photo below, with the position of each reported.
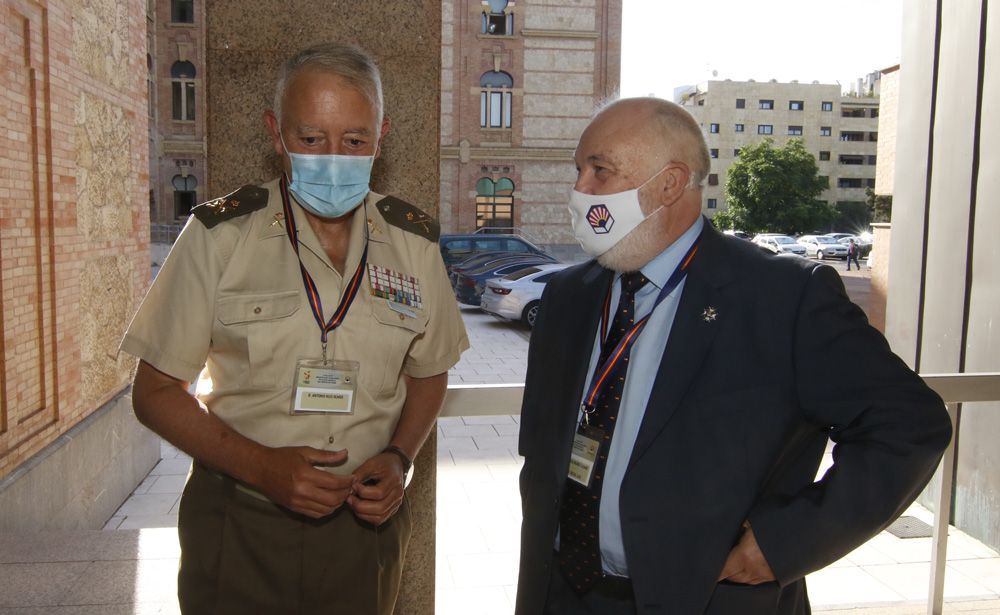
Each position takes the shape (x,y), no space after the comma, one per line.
(730,568)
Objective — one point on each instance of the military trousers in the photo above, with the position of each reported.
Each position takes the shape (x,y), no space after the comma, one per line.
(241,553)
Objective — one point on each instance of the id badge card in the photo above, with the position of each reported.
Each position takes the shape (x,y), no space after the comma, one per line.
(584,455)
(324,387)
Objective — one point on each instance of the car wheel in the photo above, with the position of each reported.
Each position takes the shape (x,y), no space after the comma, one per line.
(530,314)
(820,255)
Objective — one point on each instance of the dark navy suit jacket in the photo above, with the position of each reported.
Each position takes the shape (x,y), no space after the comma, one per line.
(734,429)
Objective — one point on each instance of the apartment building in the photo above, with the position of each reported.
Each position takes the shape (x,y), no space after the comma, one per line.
(520,81)
(840,130)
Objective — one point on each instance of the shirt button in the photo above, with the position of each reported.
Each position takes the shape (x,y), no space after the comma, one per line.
(330,440)
(256,310)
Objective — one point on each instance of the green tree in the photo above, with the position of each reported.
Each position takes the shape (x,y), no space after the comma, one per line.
(853,216)
(775,188)
(879,206)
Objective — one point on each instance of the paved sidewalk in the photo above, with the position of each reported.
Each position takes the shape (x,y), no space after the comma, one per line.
(132,570)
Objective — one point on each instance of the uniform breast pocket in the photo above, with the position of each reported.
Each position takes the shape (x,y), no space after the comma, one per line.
(258,330)
(393,334)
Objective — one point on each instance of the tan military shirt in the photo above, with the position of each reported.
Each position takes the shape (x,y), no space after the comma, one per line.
(231,298)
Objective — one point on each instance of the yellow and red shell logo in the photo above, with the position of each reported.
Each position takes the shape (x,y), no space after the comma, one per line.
(600,219)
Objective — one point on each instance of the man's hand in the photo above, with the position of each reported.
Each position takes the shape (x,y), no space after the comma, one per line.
(746,563)
(289,478)
(378,488)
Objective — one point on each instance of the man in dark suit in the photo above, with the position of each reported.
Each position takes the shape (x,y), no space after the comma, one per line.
(674,421)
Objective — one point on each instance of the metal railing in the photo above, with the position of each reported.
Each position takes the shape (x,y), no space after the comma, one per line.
(954,389)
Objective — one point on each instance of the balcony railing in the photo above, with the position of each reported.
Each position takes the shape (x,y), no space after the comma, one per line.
(954,389)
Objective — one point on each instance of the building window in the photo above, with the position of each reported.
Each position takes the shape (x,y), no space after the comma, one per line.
(874,112)
(496,20)
(713,179)
(495,99)
(714,153)
(182,83)
(765,129)
(848,135)
(182,11)
(795,105)
(766,104)
(736,153)
(850,159)
(826,105)
(824,155)
(741,103)
(494,203)
(713,128)
(713,203)
(872,160)
(825,131)
(850,182)
(184,194)
(739,128)
(795,130)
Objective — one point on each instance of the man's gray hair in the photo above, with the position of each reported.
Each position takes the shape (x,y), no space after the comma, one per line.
(349,62)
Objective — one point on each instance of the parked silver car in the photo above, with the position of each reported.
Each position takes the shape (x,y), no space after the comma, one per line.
(780,244)
(823,246)
(516,296)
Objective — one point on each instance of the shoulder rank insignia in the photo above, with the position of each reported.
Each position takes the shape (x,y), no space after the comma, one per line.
(234,204)
(408,217)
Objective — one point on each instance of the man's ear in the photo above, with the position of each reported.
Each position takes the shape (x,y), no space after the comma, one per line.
(386,125)
(675,181)
(274,128)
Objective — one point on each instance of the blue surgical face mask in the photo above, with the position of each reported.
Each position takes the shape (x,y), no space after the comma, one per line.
(329,185)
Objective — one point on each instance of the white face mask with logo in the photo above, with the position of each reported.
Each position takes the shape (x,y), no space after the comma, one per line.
(602,220)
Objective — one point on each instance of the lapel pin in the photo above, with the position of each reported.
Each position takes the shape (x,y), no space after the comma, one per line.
(709,314)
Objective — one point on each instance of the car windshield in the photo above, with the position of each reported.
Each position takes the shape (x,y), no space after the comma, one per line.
(784,240)
(825,240)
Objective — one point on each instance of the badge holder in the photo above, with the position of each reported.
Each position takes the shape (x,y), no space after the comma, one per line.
(586,445)
(324,387)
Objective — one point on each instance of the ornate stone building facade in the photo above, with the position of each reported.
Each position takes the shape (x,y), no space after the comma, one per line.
(520,80)
(175,59)
(73,257)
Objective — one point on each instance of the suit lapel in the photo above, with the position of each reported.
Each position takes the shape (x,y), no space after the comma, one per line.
(580,311)
(691,337)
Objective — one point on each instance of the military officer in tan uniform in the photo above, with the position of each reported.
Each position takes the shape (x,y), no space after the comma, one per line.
(325,320)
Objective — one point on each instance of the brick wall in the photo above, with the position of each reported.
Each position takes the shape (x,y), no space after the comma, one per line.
(73,243)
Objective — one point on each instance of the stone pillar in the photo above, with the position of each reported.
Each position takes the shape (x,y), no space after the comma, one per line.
(246,41)
(879,262)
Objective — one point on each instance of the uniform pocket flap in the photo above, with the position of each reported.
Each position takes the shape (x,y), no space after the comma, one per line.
(258,307)
(403,316)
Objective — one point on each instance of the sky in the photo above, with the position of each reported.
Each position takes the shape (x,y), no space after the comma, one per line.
(671,43)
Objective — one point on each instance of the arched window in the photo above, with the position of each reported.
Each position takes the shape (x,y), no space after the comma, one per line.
(494,203)
(185,194)
(495,99)
(182,81)
(182,11)
(498,20)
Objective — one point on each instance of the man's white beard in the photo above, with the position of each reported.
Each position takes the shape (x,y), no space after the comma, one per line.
(633,251)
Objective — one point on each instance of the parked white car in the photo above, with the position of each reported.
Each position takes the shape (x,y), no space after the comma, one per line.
(822,246)
(516,296)
(780,244)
